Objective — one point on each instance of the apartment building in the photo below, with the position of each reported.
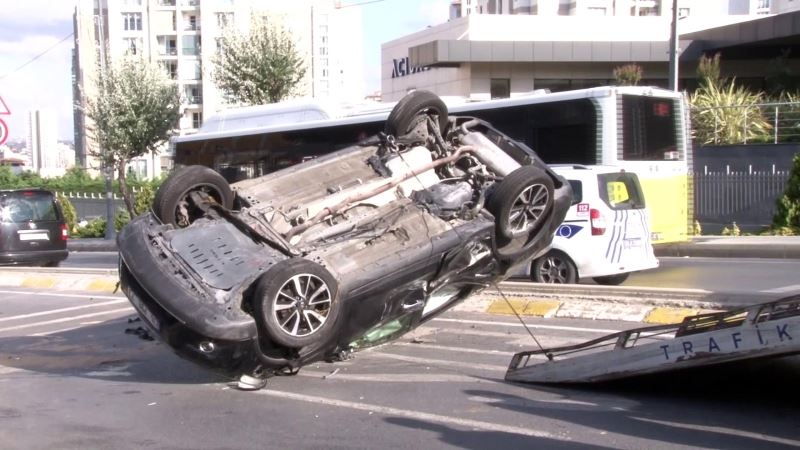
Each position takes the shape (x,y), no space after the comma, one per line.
(48,157)
(501,48)
(183,35)
(621,7)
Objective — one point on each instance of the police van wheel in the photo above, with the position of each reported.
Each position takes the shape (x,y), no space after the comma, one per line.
(612,280)
(555,268)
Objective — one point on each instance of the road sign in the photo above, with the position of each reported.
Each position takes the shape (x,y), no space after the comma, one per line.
(4,111)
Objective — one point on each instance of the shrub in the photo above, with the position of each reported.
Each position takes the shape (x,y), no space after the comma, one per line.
(787,213)
(68,209)
(727,114)
(732,231)
(628,75)
(96,228)
(697,230)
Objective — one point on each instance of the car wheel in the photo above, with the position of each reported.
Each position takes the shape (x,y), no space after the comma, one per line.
(554,268)
(522,202)
(171,203)
(404,113)
(612,280)
(51,264)
(296,303)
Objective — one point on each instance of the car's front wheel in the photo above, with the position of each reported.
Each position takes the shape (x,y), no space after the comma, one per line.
(554,267)
(171,203)
(296,303)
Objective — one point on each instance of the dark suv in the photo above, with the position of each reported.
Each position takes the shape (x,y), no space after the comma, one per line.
(32,228)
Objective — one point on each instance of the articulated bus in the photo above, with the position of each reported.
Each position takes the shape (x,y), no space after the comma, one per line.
(640,129)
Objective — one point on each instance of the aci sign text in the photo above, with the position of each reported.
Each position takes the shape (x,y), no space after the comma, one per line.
(402,67)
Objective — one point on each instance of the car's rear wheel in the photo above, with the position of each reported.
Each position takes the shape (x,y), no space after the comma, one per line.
(555,268)
(171,204)
(522,202)
(404,114)
(612,280)
(296,303)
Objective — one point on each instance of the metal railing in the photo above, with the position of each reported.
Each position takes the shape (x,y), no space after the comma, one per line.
(741,124)
(747,198)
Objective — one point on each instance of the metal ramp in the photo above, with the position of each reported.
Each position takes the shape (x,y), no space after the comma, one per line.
(768,329)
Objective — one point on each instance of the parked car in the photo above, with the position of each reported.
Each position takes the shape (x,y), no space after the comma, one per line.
(605,235)
(32,228)
(342,252)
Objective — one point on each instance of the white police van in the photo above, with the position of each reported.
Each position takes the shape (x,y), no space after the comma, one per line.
(605,235)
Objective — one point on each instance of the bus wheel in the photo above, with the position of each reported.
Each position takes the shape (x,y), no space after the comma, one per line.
(171,204)
(612,280)
(296,303)
(554,267)
(522,202)
(403,116)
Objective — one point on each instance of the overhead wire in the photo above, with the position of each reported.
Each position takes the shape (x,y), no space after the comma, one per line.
(35,58)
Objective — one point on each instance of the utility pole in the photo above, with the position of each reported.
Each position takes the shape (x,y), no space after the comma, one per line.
(673,48)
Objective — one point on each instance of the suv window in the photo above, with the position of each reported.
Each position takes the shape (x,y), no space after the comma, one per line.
(620,190)
(26,206)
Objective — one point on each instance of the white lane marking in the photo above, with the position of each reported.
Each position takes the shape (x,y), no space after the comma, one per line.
(61,310)
(67,319)
(720,430)
(52,294)
(394,377)
(781,290)
(411,414)
(511,324)
(439,362)
(60,330)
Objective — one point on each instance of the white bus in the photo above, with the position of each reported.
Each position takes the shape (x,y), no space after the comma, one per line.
(641,129)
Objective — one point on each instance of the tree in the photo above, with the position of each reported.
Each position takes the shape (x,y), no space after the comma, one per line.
(262,66)
(787,214)
(134,112)
(628,75)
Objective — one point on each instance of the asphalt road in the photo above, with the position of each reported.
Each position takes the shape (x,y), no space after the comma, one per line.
(714,274)
(74,374)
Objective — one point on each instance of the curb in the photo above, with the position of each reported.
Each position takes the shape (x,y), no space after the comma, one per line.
(628,304)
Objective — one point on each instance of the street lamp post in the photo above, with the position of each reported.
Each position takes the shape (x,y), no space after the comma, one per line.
(673,48)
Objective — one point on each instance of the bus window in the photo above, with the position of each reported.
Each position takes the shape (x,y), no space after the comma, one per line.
(649,131)
(561,133)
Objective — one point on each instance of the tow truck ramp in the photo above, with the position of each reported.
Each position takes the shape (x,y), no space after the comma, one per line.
(758,331)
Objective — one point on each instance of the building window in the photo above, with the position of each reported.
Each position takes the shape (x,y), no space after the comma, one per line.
(323,51)
(194,95)
(565,7)
(133,45)
(191,24)
(132,21)
(224,19)
(595,11)
(500,88)
(197,119)
(683,12)
(167,45)
(324,73)
(523,7)
(191,45)
(166,2)
(132,3)
(171,67)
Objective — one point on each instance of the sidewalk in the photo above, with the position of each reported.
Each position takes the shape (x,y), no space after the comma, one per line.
(734,247)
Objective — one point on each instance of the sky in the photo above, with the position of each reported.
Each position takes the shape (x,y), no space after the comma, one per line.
(31,27)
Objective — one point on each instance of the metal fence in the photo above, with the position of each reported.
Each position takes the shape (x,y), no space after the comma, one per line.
(742,124)
(747,198)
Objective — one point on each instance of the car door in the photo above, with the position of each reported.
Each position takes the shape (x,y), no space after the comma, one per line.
(629,240)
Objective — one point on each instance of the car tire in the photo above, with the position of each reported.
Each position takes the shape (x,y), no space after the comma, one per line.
(522,202)
(176,188)
(276,307)
(612,280)
(405,112)
(554,267)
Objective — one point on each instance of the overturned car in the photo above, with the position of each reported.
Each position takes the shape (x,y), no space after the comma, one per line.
(342,252)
